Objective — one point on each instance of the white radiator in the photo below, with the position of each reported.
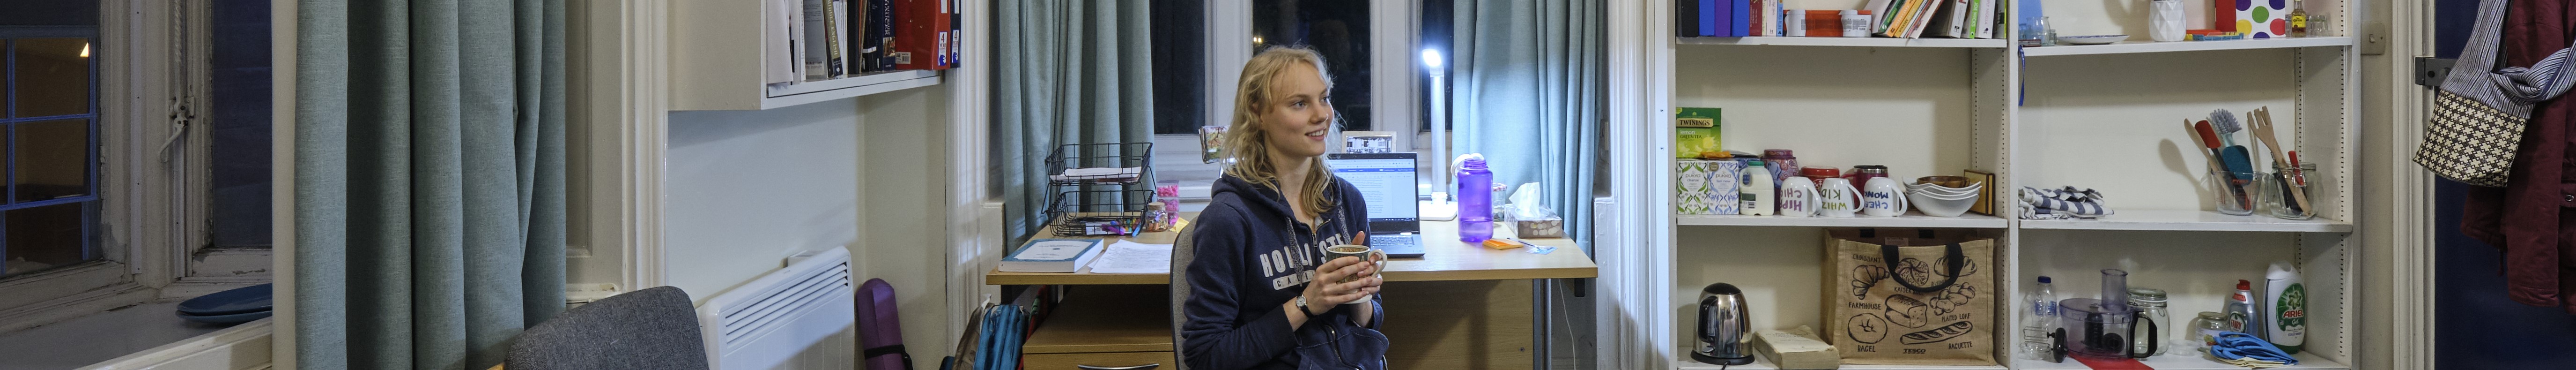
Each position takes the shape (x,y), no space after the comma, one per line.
(799,317)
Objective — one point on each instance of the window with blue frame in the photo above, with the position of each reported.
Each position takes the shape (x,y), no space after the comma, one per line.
(49,147)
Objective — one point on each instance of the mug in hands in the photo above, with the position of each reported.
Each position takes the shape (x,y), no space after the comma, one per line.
(1365,254)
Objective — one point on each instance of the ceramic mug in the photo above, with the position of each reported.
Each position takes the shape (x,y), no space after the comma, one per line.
(1836,198)
(1797,197)
(1364,253)
(1882,197)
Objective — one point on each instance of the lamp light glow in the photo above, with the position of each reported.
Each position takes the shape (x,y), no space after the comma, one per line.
(84,50)
(1431,58)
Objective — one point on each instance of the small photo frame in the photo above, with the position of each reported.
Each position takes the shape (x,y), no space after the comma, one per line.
(1211,144)
(1368,142)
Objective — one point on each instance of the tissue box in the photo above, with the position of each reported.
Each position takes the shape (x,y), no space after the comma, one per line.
(1549,227)
(1690,187)
(1796,349)
(1724,178)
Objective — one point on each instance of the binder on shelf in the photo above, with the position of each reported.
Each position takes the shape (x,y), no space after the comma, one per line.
(1743,16)
(956,35)
(921,34)
(1876,24)
(784,64)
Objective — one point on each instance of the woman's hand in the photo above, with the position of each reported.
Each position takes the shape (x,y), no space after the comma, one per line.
(1341,280)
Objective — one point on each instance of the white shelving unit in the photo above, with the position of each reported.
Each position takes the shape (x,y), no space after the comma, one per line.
(2190,220)
(720,57)
(2127,47)
(1916,219)
(2089,116)
(2306,362)
(1845,41)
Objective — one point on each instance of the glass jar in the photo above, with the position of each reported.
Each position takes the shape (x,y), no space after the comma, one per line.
(2205,329)
(2229,193)
(1862,173)
(2279,192)
(1782,163)
(2150,303)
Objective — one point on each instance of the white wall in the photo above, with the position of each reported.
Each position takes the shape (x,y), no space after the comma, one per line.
(748,188)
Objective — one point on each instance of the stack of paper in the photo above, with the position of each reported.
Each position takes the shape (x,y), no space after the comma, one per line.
(1052,255)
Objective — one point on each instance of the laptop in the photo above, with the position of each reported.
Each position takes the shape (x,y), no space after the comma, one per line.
(1386,181)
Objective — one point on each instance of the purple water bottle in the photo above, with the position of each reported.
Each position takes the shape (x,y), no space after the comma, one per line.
(1475,199)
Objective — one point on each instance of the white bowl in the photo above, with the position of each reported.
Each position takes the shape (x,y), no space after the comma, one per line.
(1944,196)
(1939,207)
(1936,189)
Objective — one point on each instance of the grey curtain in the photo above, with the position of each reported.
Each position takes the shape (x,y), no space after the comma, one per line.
(1528,94)
(429,180)
(1068,72)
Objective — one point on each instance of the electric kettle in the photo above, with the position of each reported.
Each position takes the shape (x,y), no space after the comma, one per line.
(1724,336)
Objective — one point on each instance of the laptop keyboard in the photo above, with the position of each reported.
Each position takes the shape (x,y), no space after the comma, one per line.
(1393,241)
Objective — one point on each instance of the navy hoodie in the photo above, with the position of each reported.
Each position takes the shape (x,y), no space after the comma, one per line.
(1252,257)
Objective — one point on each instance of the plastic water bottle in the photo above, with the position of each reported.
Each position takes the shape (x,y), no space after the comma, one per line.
(1475,199)
(2042,304)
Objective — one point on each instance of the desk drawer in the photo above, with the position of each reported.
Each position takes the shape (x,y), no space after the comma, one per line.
(1107,360)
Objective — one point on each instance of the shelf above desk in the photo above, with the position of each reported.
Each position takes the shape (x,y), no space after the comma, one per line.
(1444,259)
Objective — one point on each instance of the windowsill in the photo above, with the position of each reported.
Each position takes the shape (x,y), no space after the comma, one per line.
(140,336)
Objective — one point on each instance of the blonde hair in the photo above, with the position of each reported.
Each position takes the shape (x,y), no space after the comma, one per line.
(1249,147)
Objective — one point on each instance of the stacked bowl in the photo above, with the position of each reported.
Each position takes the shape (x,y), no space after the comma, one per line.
(1943,196)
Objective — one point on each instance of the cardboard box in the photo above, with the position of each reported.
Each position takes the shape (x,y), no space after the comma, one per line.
(1797,349)
(1696,132)
(1690,187)
(1724,178)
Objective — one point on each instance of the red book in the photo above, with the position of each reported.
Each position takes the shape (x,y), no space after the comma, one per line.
(2225,14)
(1825,23)
(921,36)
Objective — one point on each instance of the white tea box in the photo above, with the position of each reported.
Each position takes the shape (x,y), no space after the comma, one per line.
(1723,180)
(1690,187)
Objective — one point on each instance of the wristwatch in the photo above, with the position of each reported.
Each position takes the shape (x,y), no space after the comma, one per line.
(1301,307)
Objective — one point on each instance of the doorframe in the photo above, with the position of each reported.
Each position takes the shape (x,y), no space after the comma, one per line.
(2405,241)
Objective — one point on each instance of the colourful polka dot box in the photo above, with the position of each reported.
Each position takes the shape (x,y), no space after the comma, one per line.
(2256,19)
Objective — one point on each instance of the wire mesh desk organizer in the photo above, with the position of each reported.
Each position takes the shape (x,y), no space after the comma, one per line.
(1100,189)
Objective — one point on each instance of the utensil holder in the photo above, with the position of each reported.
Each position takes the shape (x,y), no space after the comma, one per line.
(2232,198)
(2273,192)
(2164,20)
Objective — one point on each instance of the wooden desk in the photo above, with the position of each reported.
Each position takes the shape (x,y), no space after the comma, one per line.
(1460,306)
(1444,258)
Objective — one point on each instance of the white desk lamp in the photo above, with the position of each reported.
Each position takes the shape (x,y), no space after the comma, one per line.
(1438,208)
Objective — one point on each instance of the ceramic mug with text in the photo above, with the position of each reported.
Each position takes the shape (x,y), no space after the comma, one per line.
(1797,197)
(1882,197)
(1836,198)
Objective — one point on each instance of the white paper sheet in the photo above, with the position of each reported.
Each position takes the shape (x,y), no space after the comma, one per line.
(1128,257)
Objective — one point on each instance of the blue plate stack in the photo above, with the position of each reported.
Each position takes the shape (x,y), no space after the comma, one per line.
(230,306)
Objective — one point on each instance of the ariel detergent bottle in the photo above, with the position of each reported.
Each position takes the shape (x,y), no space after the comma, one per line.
(2285,307)
(1475,199)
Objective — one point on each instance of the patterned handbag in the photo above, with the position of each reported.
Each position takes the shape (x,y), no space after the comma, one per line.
(2480,111)
(2468,141)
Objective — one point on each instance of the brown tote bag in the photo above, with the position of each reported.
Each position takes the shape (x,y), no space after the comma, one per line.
(1910,297)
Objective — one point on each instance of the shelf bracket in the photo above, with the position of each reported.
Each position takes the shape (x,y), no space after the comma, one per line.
(2430,71)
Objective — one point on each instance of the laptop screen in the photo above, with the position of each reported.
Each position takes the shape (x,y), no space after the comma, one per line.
(1386,182)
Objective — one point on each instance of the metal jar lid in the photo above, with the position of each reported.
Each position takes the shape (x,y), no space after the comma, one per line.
(1778,153)
(1870,169)
(2147,296)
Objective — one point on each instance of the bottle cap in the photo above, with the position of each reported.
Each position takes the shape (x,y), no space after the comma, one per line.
(2043,280)
(2244,285)
(1753,163)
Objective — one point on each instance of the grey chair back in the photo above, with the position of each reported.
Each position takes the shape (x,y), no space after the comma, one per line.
(1182,252)
(650,329)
